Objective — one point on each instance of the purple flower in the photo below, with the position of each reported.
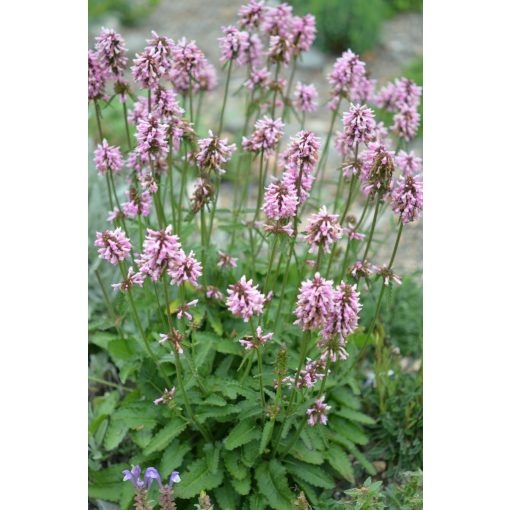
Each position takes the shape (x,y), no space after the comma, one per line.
(97,77)
(206,77)
(214,153)
(398,95)
(166,104)
(251,15)
(250,342)
(318,412)
(406,122)
(225,260)
(363,90)
(161,46)
(147,68)
(359,125)
(344,314)
(161,250)
(175,337)
(133,476)
(352,234)
(277,20)
(314,302)
(111,51)
(185,269)
(407,198)
(280,200)
(139,204)
(131,279)
(151,138)
(213,293)
(279,49)
(266,136)
(166,398)
(140,110)
(108,157)
(253,52)
(305,98)
(323,230)
(377,169)
(314,371)
(303,33)
(114,246)
(387,275)
(184,310)
(233,45)
(259,78)
(188,66)
(279,229)
(303,151)
(360,270)
(346,74)
(244,300)
(408,163)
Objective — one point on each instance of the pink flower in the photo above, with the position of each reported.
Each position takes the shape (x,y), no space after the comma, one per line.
(406,122)
(185,269)
(361,270)
(244,300)
(174,337)
(111,51)
(279,49)
(213,293)
(318,412)
(333,349)
(303,151)
(147,68)
(226,260)
(407,198)
(114,215)
(408,163)
(139,204)
(352,235)
(277,20)
(303,33)
(305,97)
(387,275)
(398,95)
(166,398)
(161,250)
(291,178)
(323,230)
(280,200)
(162,47)
(114,246)
(184,310)
(341,144)
(166,104)
(250,342)
(97,77)
(279,229)
(189,66)
(147,182)
(344,315)
(314,371)
(206,77)
(259,78)
(253,52)
(108,157)
(214,153)
(266,136)
(131,279)
(251,15)
(233,45)
(359,125)
(151,138)
(314,302)
(346,74)
(363,90)
(377,169)
(140,110)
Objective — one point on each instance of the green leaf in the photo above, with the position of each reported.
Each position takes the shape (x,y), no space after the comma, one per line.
(257,502)
(227,498)
(243,486)
(215,400)
(212,456)
(115,433)
(102,339)
(106,404)
(242,433)
(165,436)
(314,475)
(122,350)
(350,414)
(228,346)
(250,453)
(234,466)
(350,430)
(266,435)
(363,460)
(272,483)
(340,462)
(137,415)
(207,412)
(301,452)
(215,321)
(309,491)
(172,458)
(196,478)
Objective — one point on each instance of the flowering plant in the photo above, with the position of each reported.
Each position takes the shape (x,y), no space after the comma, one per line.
(233,317)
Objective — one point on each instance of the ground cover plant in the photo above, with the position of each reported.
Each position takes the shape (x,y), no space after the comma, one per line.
(235,295)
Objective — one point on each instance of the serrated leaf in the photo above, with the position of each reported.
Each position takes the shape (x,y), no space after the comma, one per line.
(212,456)
(115,433)
(242,433)
(266,435)
(257,502)
(228,346)
(350,414)
(314,475)
(272,483)
(137,415)
(207,412)
(348,429)
(227,497)
(250,453)
(242,486)
(122,350)
(215,321)
(340,462)
(106,404)
(197,478)
(215,400)
(301,452)
(363,460)
(234,466)
(172,458)
(309,491)
(165,436)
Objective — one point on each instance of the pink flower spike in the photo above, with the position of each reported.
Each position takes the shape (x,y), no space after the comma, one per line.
(185,269)
(251,15)
(359,125)
(314,302)
(244,300)
(226,260)
(166,398)
(409,163)
(131,279)
(266,136)
(407,198)
(108,157)
(250,342)
(305,98)
(318,412)
(114,246)
(214,153)
(183,310)
(111,52)
(323,230)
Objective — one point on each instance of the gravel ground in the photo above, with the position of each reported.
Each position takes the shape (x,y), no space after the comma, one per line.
(400,45)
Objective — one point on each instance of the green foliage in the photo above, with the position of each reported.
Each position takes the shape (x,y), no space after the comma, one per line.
(129,12)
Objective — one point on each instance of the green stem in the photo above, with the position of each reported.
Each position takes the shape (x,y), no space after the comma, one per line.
(261,186)
(126,124)
(181,192)
(203,243)
(225,95)
(109,305)
(372,228)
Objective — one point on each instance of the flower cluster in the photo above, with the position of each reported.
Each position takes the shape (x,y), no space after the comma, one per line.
(114,246)
(255,342)
(359,125)
(305,98)
(314,302)
(377,169)
(234,45)
(108,158)
(266,136)
(407,198)
(318,412)
(323,230)
(280,200)
(214,153)
(244,300)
